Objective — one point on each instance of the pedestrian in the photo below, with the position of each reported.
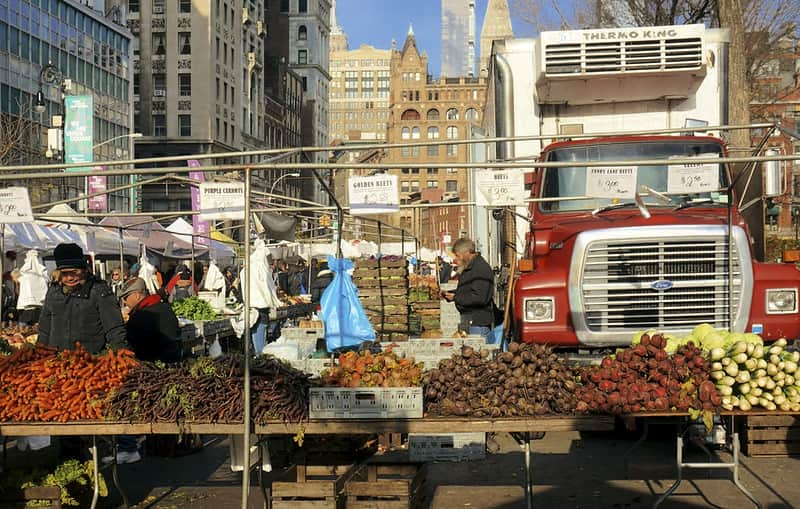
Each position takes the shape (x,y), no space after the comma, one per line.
(445,270)
(474,295)
(321,282)
(116,281)
(79,307)
(181,285)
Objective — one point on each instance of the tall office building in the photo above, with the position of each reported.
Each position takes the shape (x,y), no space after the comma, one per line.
(458,38)
(496,25)
(89,55)
(338,37)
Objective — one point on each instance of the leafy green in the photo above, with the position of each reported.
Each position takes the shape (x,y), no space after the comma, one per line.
(193,308)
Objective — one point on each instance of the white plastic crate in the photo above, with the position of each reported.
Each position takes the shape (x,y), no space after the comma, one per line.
(430,361)
(400,348)
(365,403)
(447,446)
(312,366)
(302,333)
(438,346)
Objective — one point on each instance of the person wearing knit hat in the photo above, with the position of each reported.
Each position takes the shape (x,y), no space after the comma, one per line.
(79,307)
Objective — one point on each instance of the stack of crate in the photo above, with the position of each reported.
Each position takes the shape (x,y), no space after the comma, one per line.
(383,290)
(771,435)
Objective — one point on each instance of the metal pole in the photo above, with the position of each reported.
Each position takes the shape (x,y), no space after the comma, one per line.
(121,256)
(2,267)
(246,336)
(194,278)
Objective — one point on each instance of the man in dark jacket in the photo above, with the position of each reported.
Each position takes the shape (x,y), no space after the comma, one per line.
(152,328)
(79,307)
(474,295)
(321,282)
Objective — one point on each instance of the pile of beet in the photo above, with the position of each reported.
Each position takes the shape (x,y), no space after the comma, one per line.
(644,378)
(526,380)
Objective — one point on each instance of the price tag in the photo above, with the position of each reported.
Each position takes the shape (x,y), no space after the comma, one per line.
(700,177)
(15,206)
(611,182)
(222,201)
(500,188)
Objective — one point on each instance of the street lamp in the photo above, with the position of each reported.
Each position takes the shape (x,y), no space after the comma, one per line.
(50,75)
(129,135)
(278,180)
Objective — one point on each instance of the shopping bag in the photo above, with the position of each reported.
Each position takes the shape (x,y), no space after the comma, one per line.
(346,323)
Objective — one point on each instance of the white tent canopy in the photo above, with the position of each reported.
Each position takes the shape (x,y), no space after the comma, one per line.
(23,236)
(104,242)
(184,231)
(365,248)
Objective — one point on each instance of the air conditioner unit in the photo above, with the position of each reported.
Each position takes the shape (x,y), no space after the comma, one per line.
(246,16)
(158,9)
(159,93)
(261,28)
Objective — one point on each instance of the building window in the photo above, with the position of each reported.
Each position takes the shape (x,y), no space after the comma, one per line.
(136,84)
(160,125)
(452,114)
(159,85)
(433,114)
(405,133)
(433,134)
(415,186)
(451,186)
(159,44)
(302,56)
(185,6)
(410,115)
(452,134)
(305,84)
(185,124)
(302,33)
(404,186)
(185,82)
(133,5)
(284,5)
(302,6)
(185,42)
(471,114)
(433,184)
(415,133)
(433,171)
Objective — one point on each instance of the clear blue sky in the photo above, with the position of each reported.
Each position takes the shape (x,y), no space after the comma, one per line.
(377,22)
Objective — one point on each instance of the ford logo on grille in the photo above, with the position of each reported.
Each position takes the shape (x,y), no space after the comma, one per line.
(661,285)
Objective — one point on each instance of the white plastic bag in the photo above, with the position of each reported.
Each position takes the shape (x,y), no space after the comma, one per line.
(148,273)
(34,442)
(32,281)
(262,287)
(214,280)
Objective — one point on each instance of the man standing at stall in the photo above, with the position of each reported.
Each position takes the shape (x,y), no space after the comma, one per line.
(152,329)
(474,295)
(79,307)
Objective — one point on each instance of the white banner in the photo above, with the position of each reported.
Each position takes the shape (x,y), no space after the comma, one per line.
(500,188)
(15,206)
(222,200)
(611,182)
(377,194)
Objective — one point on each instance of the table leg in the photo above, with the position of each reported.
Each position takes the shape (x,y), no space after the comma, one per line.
(679,475)
(115,473)
(528,472)
(626,457)
(735,439)
(95,472)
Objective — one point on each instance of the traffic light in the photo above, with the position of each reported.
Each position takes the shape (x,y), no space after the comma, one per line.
(325,221)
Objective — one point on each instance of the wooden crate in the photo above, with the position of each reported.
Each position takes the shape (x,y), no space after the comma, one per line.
(371,272)
(385,292)
(313,487)
(771,435)
(386,486)
(50,496)
(372,263)
(382,283)
(383,301)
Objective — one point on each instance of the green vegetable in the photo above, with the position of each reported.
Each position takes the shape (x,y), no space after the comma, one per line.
(193,308)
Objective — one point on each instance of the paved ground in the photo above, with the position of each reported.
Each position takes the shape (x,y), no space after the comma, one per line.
(570,471)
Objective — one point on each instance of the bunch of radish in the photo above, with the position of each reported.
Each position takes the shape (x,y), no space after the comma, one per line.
(752,375)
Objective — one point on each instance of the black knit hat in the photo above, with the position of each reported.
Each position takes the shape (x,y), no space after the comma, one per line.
(69,256)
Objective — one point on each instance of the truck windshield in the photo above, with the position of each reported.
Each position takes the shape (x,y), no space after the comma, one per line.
(570,181)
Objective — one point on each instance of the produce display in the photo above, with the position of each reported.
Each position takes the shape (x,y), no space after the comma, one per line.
(74,479)
(365,369)
(211,390)
(645,378)
(193,308)
(18,335)
(525,380)
(750,375)
(38,383)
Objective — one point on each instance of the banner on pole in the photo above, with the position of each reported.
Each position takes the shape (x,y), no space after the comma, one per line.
(78,130)
(199,227)
(97,184)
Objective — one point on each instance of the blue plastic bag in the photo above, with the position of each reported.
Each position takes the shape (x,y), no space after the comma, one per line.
(346,323)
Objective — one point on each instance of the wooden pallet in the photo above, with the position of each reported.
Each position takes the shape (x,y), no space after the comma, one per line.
(771,435)
(385,486)
(313,487)
(50,497)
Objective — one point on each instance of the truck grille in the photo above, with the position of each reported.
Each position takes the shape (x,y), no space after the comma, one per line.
(624,56)
(619,281)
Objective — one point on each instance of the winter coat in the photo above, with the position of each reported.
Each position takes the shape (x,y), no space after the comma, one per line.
(153,331)
(474,293)
(89,315)
(321,282)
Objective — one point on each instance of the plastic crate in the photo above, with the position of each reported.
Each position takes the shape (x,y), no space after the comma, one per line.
(430,361)
(313,367)
(365,403)
(447,446)
(305,339)
(211,327)
(438,346)
(188,333)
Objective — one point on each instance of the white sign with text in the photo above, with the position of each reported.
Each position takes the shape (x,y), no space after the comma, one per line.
(376,194)
(222,200)
(611,182)
(700,177)
(500,188)
(15,206)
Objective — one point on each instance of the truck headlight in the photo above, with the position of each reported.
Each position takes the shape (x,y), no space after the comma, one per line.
(781,301)
(540,309)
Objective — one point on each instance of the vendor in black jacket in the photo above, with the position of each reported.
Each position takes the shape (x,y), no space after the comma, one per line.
(153,331)
(79,307)
(474,295)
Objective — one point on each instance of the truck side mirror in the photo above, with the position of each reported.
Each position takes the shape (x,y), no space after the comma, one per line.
(773,181)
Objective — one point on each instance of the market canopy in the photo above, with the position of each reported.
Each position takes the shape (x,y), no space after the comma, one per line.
(184,231)
(38,236)
(154,236)
(95,238)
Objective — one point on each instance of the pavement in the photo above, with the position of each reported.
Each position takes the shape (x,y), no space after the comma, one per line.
(570,470)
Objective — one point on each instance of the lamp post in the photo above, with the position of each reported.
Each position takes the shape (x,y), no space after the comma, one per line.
(51,75)
(295,175)
(115,138)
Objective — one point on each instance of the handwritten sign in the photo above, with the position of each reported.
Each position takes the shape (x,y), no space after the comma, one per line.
(15,206)
(376,194)
(222,200)
(500,188)
(611,182)
(700,177)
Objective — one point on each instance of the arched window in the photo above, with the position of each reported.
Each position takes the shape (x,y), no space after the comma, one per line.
(433,114)
(302,33)
(471,114)
(452,114)
(433,133)
(452,132)
(410,115)
(405,133)
(415,133)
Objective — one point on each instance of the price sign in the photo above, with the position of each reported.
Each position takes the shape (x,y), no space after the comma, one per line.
(611,182)
(500,188)
(377,194)
(222,200)
(700,177)
(15,206)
